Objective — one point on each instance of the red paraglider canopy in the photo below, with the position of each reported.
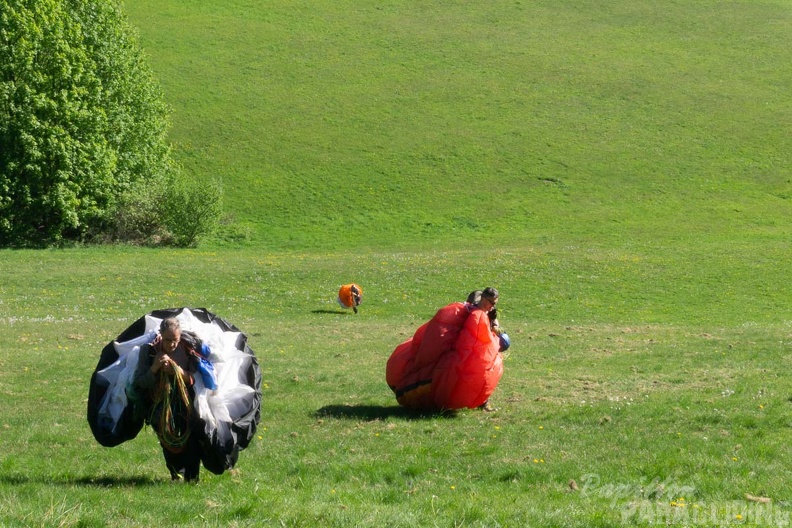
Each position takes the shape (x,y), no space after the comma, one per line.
(451,362)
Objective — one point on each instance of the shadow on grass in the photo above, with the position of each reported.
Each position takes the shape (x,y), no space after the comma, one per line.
(378,412)
(334,312)
(99,482)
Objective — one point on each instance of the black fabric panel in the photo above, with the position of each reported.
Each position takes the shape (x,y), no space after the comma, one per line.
(129,426)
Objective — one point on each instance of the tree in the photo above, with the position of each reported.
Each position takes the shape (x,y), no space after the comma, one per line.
(82,123)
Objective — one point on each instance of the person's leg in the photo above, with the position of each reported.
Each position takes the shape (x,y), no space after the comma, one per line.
(175,464)
(487,407)
(191,459)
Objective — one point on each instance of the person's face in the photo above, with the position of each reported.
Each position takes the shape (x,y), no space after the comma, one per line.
(170,340)
(488,304)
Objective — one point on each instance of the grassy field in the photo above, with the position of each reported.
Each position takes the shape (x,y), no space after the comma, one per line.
(657,401)
(334,124)
(619,170)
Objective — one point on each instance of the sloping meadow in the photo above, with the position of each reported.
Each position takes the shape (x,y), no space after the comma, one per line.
(339,125)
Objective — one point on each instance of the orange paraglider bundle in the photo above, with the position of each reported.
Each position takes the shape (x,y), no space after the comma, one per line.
(453,361)
(350,296)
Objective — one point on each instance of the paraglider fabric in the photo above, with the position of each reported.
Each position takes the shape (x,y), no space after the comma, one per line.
(451,362)
(230,412)
(206,368)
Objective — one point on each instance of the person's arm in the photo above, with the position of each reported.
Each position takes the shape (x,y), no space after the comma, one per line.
(144,376)
(188,373)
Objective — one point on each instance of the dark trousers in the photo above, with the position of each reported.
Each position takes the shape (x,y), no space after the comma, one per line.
(187,463)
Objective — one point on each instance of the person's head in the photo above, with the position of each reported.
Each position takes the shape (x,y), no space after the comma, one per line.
(489,298)
(170,330)
(474,297)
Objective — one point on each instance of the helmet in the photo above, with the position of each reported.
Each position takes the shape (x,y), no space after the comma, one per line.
(505,342)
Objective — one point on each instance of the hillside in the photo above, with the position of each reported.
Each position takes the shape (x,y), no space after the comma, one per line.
(335,124)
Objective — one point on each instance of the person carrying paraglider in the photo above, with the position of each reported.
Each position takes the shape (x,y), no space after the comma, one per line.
(160,371)
(350,296)
(454,360)
(164,381)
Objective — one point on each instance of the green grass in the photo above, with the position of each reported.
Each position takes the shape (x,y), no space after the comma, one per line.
(336,124)
(619,170)
(635,409)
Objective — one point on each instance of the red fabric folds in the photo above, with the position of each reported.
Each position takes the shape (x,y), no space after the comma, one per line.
(451,362)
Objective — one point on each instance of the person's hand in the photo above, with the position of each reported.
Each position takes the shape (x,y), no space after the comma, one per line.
(162,361)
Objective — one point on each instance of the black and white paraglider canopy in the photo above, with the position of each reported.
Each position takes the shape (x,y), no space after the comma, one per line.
(230,413)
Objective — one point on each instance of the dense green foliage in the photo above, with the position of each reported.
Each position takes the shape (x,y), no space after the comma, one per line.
(82,123)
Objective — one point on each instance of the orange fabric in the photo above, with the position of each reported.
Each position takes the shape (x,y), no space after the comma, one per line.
(451,362)
(471,376)
(410,384)
(346,297)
